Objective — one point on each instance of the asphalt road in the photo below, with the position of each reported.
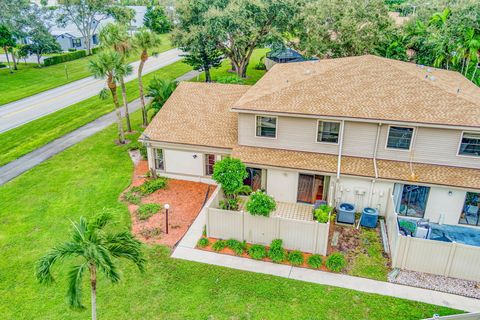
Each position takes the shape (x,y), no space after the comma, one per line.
(34,158)
(19,112)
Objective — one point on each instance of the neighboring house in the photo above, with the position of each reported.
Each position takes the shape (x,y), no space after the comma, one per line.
(283,55)
(345,130)
(69,37)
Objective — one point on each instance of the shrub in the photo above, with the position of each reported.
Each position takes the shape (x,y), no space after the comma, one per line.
(276,252)
(315,261)
(295,257)
(257,252)
(321,213)
(237,247)
(219,245)
(336,262)
(2,65)
(131,197)
(151,186)
(203,242)
(50,61)
(147,210)
(143,151)
(229,173)
(260,204)
(230,79)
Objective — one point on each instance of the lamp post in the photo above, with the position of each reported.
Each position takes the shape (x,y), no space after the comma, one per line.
(167,206)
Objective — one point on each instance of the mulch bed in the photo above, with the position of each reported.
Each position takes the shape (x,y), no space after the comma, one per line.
(185,198)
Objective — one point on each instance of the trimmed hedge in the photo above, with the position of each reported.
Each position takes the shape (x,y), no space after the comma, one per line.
(50,61)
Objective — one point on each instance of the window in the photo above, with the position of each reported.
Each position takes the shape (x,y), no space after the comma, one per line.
(159,160)
(254,178)
(412,200)
(399,138)
(471,214)
(266,127)
(209,162)
(328,131)
(470,145)
(76,43)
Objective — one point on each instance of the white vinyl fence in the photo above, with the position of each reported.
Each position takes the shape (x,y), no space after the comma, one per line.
(307,236)
(449,259)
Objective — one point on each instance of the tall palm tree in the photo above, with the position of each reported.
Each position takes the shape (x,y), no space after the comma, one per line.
(114,36)
(109,65)
(95,250)
(144,40)
(471,47)
(160,90)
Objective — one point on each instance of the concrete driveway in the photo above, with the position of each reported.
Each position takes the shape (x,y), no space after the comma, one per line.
(19,112)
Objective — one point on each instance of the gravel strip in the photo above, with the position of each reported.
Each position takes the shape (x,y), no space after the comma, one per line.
(439,283)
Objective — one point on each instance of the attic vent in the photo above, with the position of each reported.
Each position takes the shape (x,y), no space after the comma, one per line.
(432,78)
(429,70)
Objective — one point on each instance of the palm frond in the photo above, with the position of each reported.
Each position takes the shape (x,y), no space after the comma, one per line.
(74,293)
(43,267)
(124,245)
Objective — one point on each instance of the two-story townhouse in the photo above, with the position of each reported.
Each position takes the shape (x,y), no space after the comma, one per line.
(352,129)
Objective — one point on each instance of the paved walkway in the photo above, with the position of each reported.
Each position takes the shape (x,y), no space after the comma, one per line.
(186,250)
(34,158)
(19,112)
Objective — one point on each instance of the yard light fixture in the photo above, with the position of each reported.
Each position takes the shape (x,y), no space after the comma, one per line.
(167,206)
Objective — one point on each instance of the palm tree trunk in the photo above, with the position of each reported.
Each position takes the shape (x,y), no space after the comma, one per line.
(474,71)
(8,60)
(125,104)
(121,134)
(140,89)
(93,284)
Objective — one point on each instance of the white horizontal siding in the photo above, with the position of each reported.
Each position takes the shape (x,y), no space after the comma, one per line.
(359,139)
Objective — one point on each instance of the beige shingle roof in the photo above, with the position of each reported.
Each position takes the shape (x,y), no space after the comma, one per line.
(366,87)
(198,114)
(355,166)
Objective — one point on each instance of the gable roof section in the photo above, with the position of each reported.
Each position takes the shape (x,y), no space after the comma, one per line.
(366,87)
(198,114)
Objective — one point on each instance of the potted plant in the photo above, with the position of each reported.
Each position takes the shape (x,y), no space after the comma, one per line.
(260,204)
(322,213)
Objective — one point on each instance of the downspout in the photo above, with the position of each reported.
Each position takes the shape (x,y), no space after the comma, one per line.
(377,138)
(339,162)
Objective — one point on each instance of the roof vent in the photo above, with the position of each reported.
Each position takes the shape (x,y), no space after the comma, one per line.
(308,71)
(429,70)
(458,90)
(432,78)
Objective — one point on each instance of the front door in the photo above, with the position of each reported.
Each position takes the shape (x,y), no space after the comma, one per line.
(310,188)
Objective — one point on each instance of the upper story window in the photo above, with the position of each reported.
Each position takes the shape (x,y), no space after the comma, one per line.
(399,138)
(209,162)
(328,131)
(470,144)
(159,159)
(266,127)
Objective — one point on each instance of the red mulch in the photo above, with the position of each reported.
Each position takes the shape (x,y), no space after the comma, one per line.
(185,199)
(230,252)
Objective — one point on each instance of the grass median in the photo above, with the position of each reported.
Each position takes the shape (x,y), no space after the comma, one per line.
(28,137)
(35,215)
(29,79)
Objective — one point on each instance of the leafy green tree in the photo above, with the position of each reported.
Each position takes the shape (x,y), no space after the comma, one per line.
(115,36)
(42,42)
(109,65)
(121,14)
(239,26)
(191,36)
(144,40)
(85,15)
(338,28)
(230,173)
(159,90)
(94,250)
(156,20)
(6,42)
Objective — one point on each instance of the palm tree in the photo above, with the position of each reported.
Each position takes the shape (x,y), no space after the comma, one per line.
(95,250)
(471,47)
(109,65)
(144,40)
(114,36)
(160,90)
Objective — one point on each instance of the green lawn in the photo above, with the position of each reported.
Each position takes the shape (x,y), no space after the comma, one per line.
(35,215)
(253,75)
(30,79)
(368,261)
(48,128)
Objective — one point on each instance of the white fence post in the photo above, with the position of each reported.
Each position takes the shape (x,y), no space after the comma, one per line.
(208,222)
(243,225)
(315,237)
(277,227)
(451,254)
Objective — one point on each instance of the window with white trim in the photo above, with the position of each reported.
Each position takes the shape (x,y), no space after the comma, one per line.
(400,138)
(328,131)
(470,144)
(209,162)
(76,43)
(266,127)
(159,159)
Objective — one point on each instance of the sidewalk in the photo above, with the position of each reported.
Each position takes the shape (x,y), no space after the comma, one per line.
(186,250)
(34,158)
